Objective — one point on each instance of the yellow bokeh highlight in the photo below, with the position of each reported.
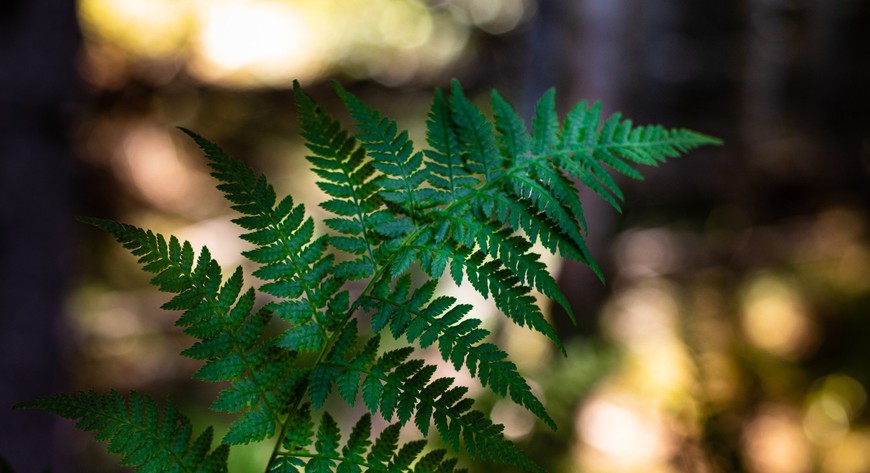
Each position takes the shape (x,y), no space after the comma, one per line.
(404,25)
(831,408)
(621,432)
(256,43)
(775,318)
(774,442)
(850,455)
(149,28)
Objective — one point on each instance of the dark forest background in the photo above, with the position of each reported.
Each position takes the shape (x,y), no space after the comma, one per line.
(733,334)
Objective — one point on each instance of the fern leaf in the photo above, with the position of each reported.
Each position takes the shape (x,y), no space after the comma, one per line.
(358,442)
(513,140)
(256,424)
(292,258)
(434,462)
(404,389)
(545,125)
(308,336)
(547,203)
(231,336)
(327,446)
(320,383)
(475,136)
(499,242)
(511,296)
(300,431)
(384,446)
(458,342)
(546,138)
(136,430)
(473,206)
(584,149)
(406,455)
(358,454)
(392,153)
(446,169)
(346,175)
(521,214)
(484,439)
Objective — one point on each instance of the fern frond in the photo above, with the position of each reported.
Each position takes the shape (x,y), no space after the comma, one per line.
(346,175)
(492,279)
(458,339)
(404,389)
(584,150)
(231,335)
(447,171)
(358,454)
(136,430)
(294,262)
(545,125)
(473,205)
(513,139)
(522,199)
(475,136)
(392,153)
(379,136)
(526,186)
(471,149)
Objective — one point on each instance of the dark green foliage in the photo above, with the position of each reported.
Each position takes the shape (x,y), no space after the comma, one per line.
(471,206)
(134,429)
(358,454)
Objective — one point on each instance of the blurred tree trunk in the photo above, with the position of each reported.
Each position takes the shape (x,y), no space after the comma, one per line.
(659,61)
(580,47)
(38,88)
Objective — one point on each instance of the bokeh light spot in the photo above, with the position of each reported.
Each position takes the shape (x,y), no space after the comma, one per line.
(775,443)
(151,28)
(776,319)
(629,433)
(266,42)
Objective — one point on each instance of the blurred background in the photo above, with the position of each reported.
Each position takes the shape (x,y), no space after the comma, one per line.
(733,334)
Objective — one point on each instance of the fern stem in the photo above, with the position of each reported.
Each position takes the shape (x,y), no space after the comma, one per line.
(282,431)
(291,413)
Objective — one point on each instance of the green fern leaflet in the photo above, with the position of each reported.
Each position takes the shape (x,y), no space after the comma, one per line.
(147,440)
(471,206)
